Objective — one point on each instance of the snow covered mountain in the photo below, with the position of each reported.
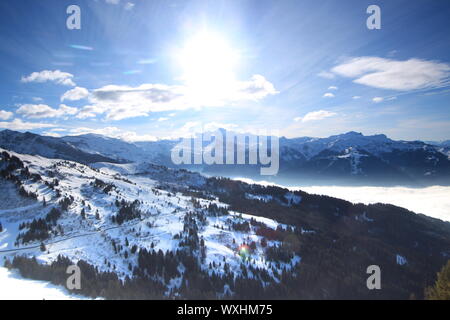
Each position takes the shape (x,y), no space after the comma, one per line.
(98,215)
(349,158)
(141,230)
(49,147)
(442,146)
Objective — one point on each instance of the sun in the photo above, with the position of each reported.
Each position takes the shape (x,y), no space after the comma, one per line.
(208,66)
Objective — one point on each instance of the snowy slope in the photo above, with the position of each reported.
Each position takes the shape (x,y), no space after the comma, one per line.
(14,287)
(235,236)
(162,216)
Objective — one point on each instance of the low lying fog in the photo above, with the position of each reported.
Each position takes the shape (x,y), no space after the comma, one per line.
(432,201)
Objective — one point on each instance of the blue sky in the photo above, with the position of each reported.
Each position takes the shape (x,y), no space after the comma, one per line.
(141,69)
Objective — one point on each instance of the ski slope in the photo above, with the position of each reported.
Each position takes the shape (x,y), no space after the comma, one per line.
(14,287)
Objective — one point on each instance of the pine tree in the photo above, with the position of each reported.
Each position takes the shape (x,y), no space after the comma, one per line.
(83,213)
(1,227)
(43,248)
(263,242)
(441,288)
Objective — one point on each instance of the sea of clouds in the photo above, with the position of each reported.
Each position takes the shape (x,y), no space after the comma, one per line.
(432,201)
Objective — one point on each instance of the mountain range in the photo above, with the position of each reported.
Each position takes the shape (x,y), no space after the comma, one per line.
(346,159)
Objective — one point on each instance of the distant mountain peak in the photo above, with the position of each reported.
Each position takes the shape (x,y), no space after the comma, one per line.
(353,133)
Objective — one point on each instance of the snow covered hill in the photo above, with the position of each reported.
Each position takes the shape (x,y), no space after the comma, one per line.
(147,231)
(50,147)
(90,228)
(15,287)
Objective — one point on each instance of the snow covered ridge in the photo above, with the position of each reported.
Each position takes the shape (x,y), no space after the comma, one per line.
(146,231)
(97,222)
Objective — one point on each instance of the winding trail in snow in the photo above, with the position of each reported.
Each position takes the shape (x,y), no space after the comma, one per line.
(72,237)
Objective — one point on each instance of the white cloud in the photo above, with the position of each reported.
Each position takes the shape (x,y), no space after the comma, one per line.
(112,1)
(129,6)
(114,132)
(315,115)
(56,76)
(18,124)
(162,119)
(192,128)
(391,74)
(37,111)
(120,102)
(378,99)
(51,134)
(392,53)
(326,75)
(147,61)
(328,95)
(58,130)
(89,111)
(256,88)
(5,115)
(212,126)
(356,97)
(76,93)
(332,88)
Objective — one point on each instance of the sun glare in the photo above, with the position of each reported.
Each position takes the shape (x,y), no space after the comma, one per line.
(208,64)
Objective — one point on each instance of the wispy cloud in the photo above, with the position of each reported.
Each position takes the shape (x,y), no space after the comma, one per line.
(128,6)
(113,132)
(129,72)
(51,134)
(38,111)
(121,102)
(81,47)
(18,124)
(378,99)
(326,75)
(147,61)
(328,95)
(391,74)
